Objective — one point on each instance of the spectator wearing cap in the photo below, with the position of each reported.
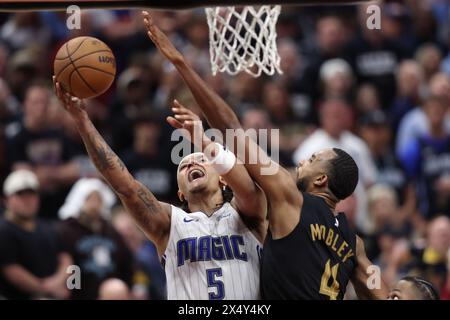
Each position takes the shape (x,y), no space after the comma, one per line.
(32,261)
(328,43)
(336,77)
(21,70)
(96,247)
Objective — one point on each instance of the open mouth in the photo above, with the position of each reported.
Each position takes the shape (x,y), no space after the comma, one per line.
(195,174)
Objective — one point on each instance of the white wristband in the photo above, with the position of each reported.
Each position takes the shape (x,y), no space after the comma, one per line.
(224,160)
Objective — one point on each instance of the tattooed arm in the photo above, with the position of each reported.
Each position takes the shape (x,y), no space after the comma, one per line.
(152,216)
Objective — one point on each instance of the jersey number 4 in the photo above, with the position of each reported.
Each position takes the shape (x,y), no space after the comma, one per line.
(326,289)
(213,276)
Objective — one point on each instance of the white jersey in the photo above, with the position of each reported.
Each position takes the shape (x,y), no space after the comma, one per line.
(211,258)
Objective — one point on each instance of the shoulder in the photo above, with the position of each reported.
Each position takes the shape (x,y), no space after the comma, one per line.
(178,215)
(312,202)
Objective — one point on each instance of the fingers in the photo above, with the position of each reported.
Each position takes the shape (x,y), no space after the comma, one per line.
(180,109)
(176,104)
(183,112)
(58,91)
(184,117)
(148,21)
(152,30)
(174,122)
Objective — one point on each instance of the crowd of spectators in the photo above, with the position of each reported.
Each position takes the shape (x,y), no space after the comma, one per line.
(382,95)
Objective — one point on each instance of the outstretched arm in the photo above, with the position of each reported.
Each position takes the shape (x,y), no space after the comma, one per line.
(152,216)
(279,187)
(366,288)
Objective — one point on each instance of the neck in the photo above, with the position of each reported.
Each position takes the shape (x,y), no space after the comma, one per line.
(329,198)
(206,202)
(26,224)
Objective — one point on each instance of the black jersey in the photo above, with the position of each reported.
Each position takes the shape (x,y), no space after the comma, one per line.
(315,261)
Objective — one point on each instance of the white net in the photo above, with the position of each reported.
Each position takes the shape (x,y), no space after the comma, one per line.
(243,39)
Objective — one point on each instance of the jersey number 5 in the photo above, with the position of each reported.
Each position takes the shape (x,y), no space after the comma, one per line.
(332,290)
(212,276)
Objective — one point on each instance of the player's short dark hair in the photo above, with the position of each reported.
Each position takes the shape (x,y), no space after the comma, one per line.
(342,175)
(424,287)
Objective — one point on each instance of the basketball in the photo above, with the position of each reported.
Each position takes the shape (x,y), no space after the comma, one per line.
(85,67)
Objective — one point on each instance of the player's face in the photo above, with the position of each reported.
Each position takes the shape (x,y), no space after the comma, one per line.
(195,174)
(308,170)
(403,290)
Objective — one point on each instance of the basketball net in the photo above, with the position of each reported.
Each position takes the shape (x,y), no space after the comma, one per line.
(243,39)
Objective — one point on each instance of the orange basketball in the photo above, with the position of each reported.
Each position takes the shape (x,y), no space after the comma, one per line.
(85,67)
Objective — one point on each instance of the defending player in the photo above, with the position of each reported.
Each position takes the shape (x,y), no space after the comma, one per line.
(210,253)
(310,251)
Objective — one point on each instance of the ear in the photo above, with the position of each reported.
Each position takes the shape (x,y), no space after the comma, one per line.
(222,182)
(321,181)
(180,195)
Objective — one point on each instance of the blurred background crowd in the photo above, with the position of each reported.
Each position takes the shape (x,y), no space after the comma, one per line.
(382,95)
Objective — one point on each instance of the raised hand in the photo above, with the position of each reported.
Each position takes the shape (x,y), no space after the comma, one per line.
(73,105)
(160,40)
(186,119)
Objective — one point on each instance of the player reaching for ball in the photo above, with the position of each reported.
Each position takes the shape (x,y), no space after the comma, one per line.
(310,252)
(211,252)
